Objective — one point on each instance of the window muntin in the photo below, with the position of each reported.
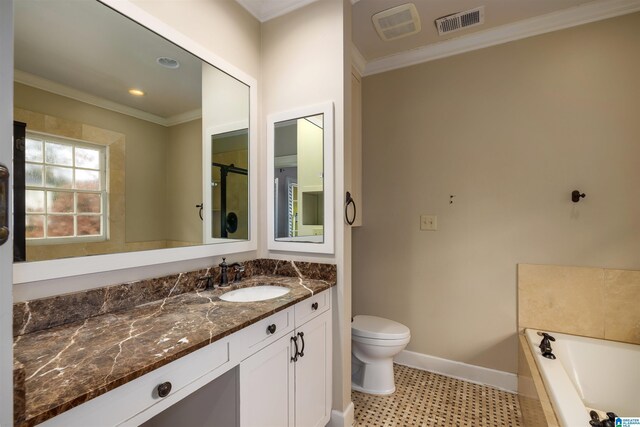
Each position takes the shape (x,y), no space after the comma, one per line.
(66,190)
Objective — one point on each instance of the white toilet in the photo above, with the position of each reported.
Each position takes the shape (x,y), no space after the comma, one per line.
(374,342)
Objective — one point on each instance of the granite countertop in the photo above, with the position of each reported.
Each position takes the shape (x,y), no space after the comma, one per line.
(68,365)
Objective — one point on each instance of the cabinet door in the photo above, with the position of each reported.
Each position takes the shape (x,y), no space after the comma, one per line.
(267,386)
(313,373)
(356,146)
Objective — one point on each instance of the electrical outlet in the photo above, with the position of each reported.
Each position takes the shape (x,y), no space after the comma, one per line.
(428,222)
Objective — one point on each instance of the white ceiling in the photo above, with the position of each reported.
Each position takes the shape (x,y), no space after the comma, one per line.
(89,48)
(496,13)
(265,10)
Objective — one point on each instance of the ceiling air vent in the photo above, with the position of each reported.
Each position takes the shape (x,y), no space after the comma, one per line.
(458,21)
(397,22)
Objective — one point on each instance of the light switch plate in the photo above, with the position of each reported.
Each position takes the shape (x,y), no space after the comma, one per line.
(428,222)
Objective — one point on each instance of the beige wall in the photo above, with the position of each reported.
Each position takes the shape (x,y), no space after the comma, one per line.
(146,146)
(303,63)
(510,131)
(184,182)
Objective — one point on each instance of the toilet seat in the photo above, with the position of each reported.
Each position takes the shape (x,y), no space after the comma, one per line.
(375,328)
(380,343)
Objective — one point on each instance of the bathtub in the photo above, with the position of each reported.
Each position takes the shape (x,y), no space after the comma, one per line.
(589,374)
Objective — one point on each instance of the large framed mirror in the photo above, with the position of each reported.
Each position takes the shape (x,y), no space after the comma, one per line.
(300,177)
(133,145)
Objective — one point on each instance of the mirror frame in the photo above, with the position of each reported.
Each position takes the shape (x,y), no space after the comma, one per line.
(67,267)
(327,246)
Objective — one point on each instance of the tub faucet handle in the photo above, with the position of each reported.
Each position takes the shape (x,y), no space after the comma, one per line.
(611,421)
(546,336)
(545,345)
(606,422)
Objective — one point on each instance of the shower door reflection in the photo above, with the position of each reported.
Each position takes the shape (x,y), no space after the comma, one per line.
(230,185)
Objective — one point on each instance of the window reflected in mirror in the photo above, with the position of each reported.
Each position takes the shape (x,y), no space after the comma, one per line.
(299,180)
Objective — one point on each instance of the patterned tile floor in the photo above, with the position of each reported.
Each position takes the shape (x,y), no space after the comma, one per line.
(426,399)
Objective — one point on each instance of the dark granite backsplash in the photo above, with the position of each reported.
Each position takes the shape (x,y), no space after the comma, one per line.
(45,313)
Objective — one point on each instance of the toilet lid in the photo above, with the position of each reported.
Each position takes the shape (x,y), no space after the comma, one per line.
(378,327)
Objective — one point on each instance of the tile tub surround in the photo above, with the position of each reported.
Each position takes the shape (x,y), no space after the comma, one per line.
(535,404)
(592,302)
(72,363)
(45,313)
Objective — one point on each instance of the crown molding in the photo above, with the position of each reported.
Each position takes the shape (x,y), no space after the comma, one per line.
(357,60)
(185,117)
(583,14)
(62,90)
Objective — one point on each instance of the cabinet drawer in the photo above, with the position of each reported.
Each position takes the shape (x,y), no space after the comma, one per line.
(182,371)
(259,334)
(120,404)
(311,307)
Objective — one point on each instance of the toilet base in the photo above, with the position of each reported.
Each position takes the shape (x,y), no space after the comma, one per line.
(356,387)
(374,378)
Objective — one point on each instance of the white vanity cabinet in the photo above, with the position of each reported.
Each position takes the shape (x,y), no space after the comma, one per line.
(288,383)
(313,374)
(267,378)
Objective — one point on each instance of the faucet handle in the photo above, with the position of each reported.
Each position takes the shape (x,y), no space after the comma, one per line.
(209,279)
(546,336)
(239,269)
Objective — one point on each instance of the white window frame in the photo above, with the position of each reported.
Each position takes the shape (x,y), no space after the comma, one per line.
(104,191)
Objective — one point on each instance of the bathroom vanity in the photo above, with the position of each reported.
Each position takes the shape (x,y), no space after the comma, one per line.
(166,351)
(269,361)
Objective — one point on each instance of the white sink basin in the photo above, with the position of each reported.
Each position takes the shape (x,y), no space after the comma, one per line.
(255,293)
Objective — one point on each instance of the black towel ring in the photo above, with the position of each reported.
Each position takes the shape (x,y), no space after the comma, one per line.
(201,205)
(349,201)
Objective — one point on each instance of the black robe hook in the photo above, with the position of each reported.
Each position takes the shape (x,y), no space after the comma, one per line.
(576,195)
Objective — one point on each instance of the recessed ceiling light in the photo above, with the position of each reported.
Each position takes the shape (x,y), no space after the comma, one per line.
(168,62)
(136,92)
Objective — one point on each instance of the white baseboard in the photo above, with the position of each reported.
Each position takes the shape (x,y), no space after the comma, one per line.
(342,419)
(476,374)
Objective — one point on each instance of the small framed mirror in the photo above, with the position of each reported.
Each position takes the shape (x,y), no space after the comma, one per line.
(300,176)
